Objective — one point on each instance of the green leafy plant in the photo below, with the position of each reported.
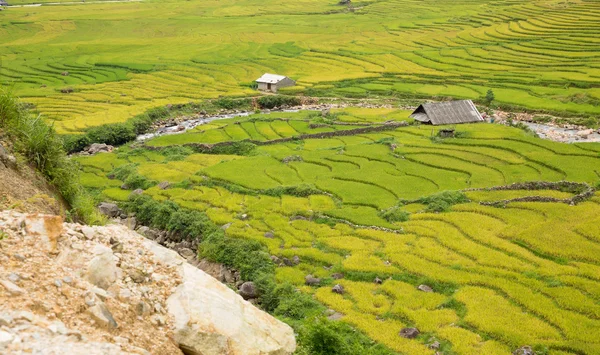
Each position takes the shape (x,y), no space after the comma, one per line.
(43,148)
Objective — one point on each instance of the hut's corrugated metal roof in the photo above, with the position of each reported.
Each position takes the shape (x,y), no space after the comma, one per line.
(451,112)
(270,78)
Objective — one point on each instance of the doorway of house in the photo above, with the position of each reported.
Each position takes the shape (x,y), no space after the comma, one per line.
(269,86)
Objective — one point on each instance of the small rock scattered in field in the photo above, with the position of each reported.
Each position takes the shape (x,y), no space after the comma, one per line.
(164,185)
(311,280)
(425,288)
(296,260)
(335,316)
(524,350)
(338,289)
(409,333)
(269,235)
(378,281)
(435,345)
(287,262)
(338,276)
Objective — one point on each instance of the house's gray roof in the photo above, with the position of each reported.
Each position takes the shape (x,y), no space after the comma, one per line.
(451,112)
(270,78)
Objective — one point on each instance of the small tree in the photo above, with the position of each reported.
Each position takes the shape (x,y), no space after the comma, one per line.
(489,97)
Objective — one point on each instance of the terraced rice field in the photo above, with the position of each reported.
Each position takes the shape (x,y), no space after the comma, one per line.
(527,273)
(123,58)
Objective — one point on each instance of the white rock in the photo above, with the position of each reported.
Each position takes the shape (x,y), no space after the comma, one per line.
(102,270)
(5,320)
(124,295)
(102,315)
(211,319)
(13,277)
(88,232)
(12,288)
(45,227)
(5,338)
(102,294)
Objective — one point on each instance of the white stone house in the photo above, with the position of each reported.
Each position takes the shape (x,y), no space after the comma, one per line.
(274,82)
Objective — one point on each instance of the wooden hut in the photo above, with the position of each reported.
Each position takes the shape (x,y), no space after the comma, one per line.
(3,3)
(273,82)
(451,112)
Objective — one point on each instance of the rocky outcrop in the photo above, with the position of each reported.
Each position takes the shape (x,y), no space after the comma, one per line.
(123,291)
(99,148)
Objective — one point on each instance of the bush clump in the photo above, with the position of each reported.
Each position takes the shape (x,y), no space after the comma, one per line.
(169,216)
(272,101)
(441,202)
(302,190)
(130,177)
(235,148)
(324,337)
(394,214)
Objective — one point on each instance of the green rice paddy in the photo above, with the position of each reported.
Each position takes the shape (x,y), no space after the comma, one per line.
(120,59)
(526,273)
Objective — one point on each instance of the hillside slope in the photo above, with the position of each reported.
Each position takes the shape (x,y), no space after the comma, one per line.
(23,189)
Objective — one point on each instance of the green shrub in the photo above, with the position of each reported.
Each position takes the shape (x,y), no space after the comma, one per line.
(230,104)
(302,190)
(394,214)
(113,134)
(294,304)
(249,257)
(176,153)
(129,175)
(235,148)
(272,101)
(323,337)
(441,202)
(190,224)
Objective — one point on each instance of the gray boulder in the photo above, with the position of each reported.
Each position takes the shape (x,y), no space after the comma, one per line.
(110,210)
(164,185)
(99,148)
(310,280)
(338,289)
(409,333)
(524,350)
(248,290)
(425,288)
